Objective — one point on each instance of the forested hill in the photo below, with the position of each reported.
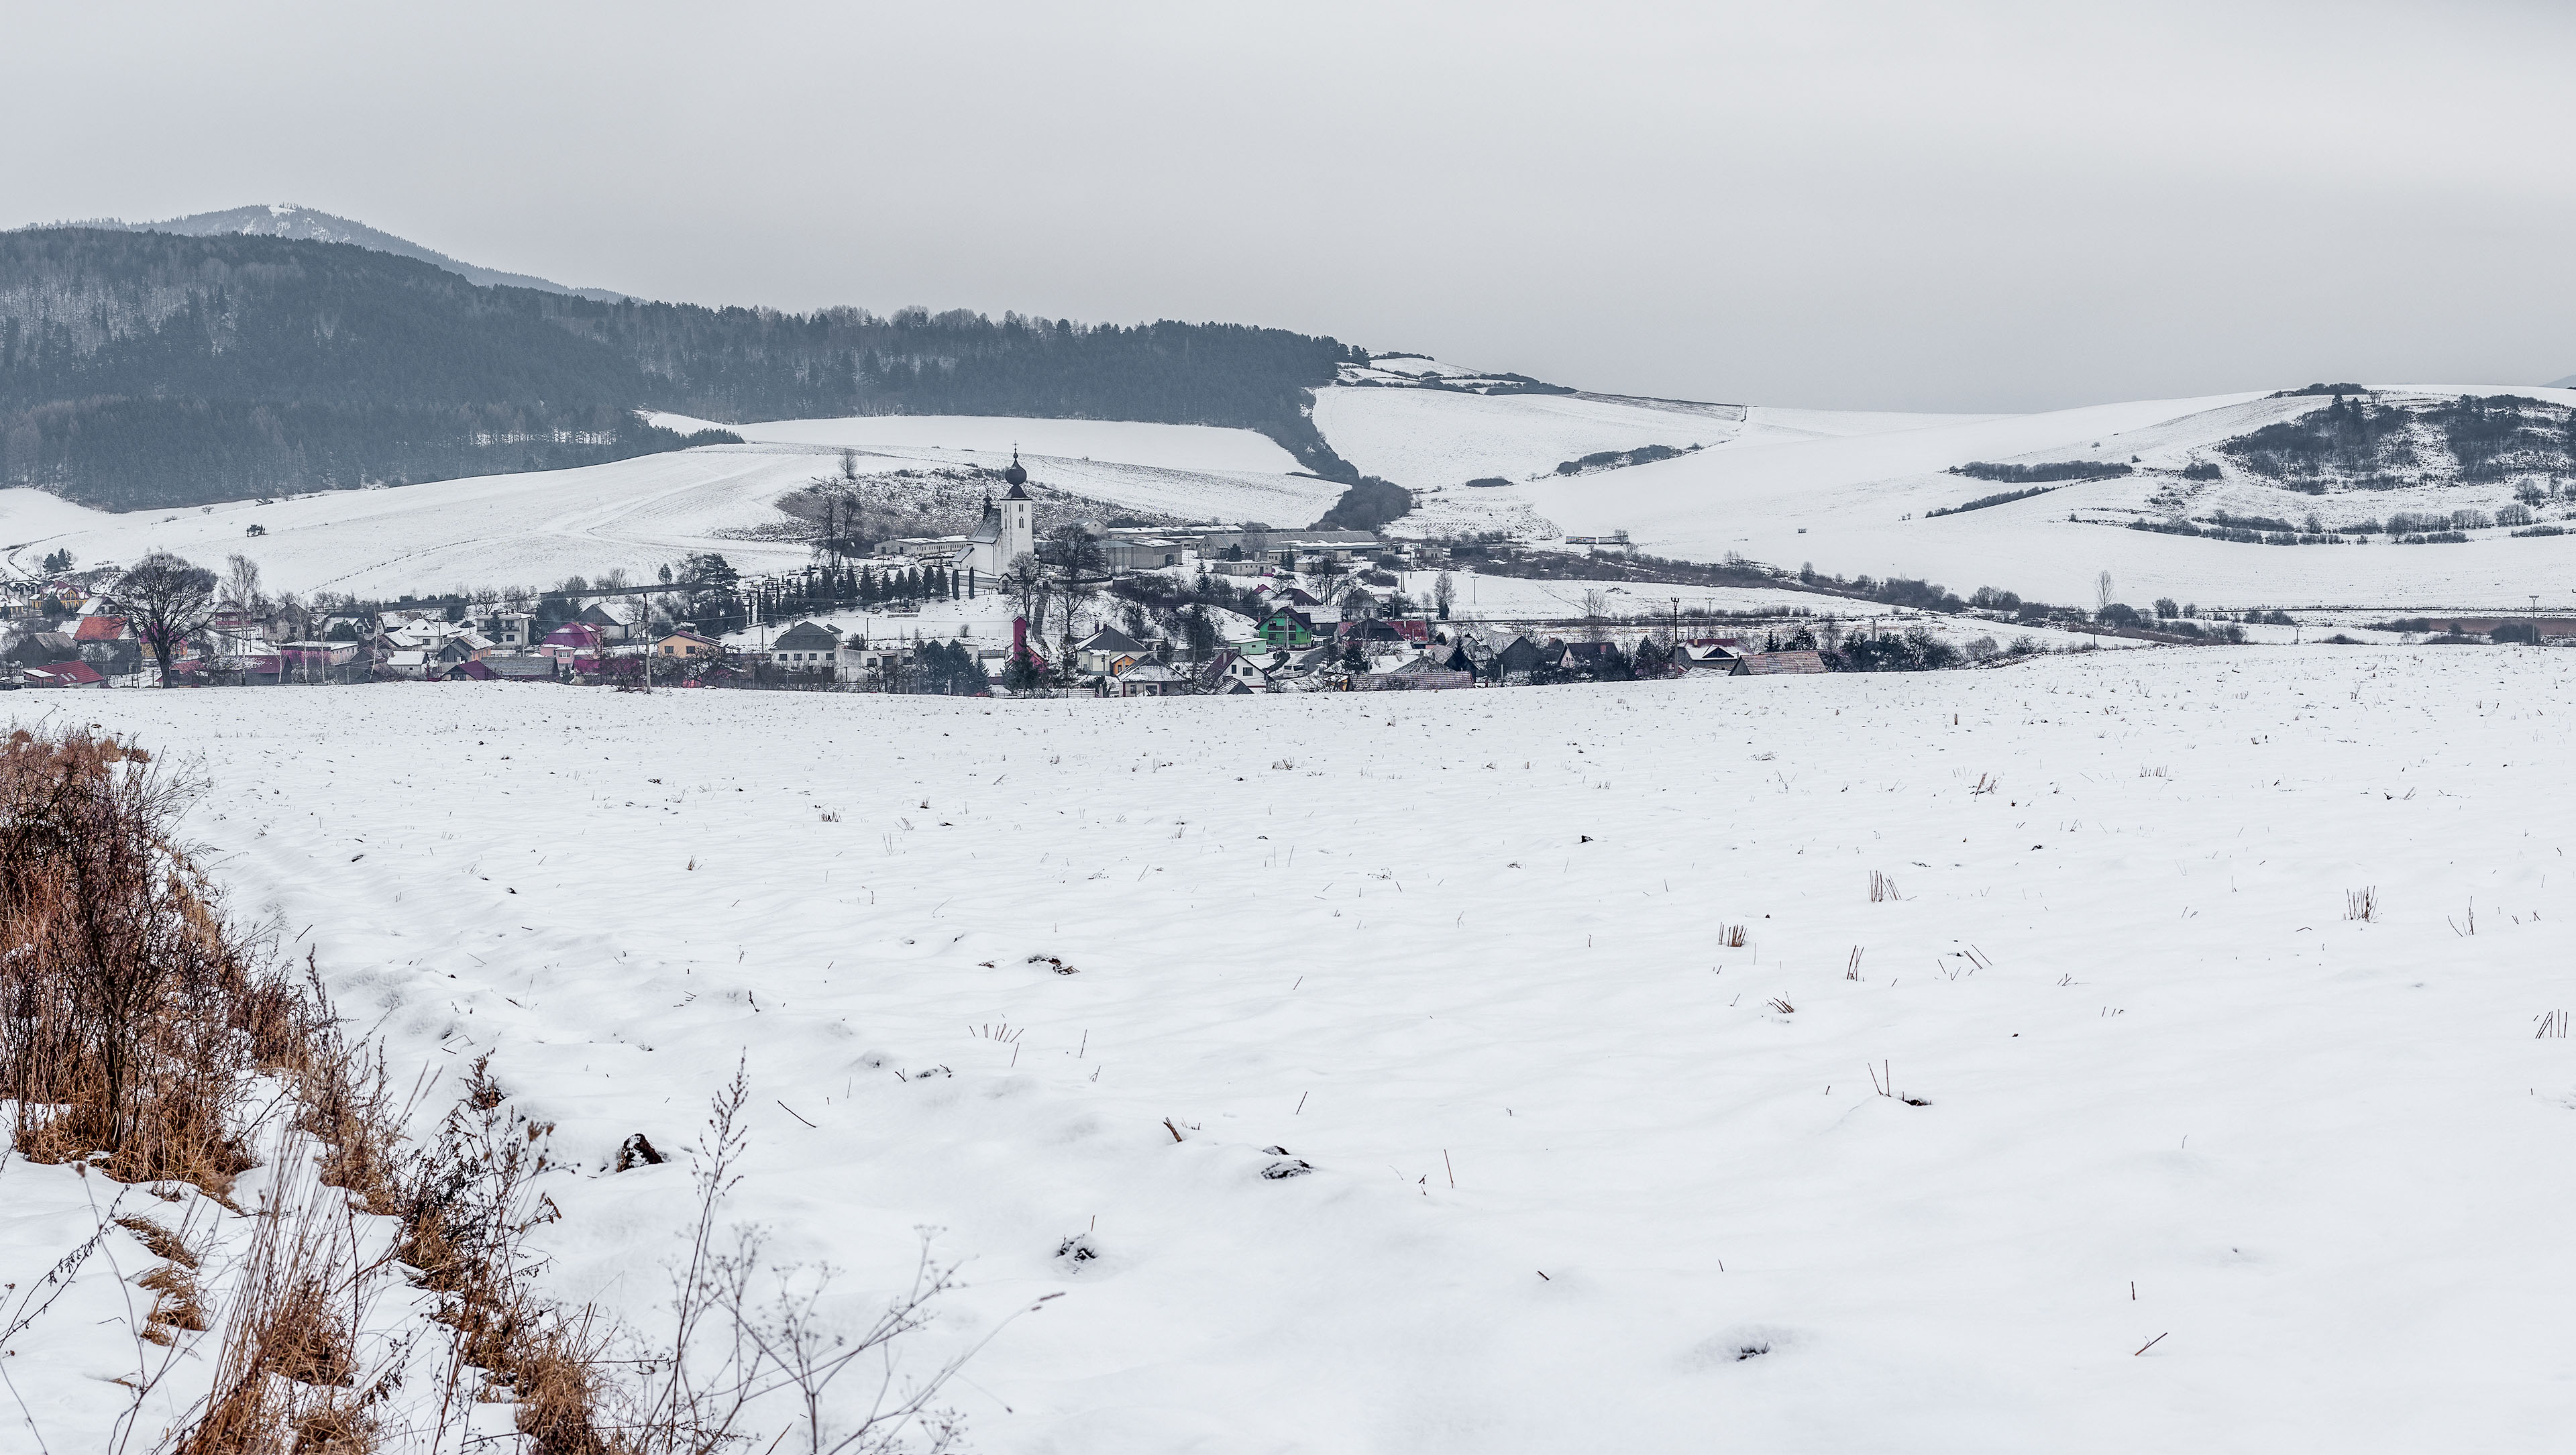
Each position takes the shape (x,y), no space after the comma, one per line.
(142,369)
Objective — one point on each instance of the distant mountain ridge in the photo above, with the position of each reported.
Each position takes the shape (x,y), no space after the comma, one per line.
(141,368)
(291,220)
(2567,383)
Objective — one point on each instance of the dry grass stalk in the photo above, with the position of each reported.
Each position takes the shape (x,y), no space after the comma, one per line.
(176,1306)
(288,1379)
(1881,888)
(1731,936)
(160,1242)
(2361,904)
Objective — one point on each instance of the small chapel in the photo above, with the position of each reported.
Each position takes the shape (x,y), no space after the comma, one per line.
(1008,530)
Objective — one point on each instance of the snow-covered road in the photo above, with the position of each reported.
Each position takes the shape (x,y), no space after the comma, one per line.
(2169,1092)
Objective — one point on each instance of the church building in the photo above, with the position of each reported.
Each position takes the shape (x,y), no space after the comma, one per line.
(1007,532)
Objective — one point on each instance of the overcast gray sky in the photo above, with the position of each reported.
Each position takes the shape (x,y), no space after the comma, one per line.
(1964,206)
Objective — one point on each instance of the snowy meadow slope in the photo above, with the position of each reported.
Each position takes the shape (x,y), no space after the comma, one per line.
(2159,1084)
(1850,493)
(537,528)
(1859,504)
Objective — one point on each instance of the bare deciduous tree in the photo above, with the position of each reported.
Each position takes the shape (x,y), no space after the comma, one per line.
(241,588)
(168,601)
(1025,582)
(1080,565)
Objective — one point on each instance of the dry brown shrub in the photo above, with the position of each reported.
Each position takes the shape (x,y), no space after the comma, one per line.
(159,1241)
(121,994)
(176,1306)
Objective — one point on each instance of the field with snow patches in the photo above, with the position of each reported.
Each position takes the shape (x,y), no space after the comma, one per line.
(1858,504)
(1582,1175)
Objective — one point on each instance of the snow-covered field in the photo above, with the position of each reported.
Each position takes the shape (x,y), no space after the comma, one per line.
(1429,439)
(1857,504)
(496,530)
(1198,448)
(1196,472)
(536,529)
(1849,492)
(1423,438)
(1583,1177)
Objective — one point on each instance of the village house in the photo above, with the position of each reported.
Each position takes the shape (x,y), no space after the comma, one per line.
(1299,597)
(685,641)
(807,647)
(1514,661)
(1707,654)
(511,631)
(1411,631)
(600,619)
(1218,668)
(1779,664)
(1107,652)
(508,667)
(55,646)
(1445,657)
(1430,673)
(64,674)
(879,662)
(314,660)
(571,640)
(1285,629)
(1153,679)
(1589,657)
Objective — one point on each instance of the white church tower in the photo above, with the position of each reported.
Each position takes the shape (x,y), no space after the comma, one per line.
(1008,531)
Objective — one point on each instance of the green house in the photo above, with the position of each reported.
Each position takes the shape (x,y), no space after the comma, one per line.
(1284,629)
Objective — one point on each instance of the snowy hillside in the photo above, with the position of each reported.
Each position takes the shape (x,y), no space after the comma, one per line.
(1188,447)
(1193,472)
(527,529)
(1435,439)
(2178,1156)
(536,529)
(1861,504)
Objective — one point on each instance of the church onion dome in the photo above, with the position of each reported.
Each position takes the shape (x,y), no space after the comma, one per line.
(1016,475)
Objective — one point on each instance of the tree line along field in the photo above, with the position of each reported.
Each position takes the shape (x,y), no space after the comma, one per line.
(2128,1052)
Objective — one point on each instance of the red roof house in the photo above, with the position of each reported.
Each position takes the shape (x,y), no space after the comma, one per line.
(572,639)
(65,674)
(100,629)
